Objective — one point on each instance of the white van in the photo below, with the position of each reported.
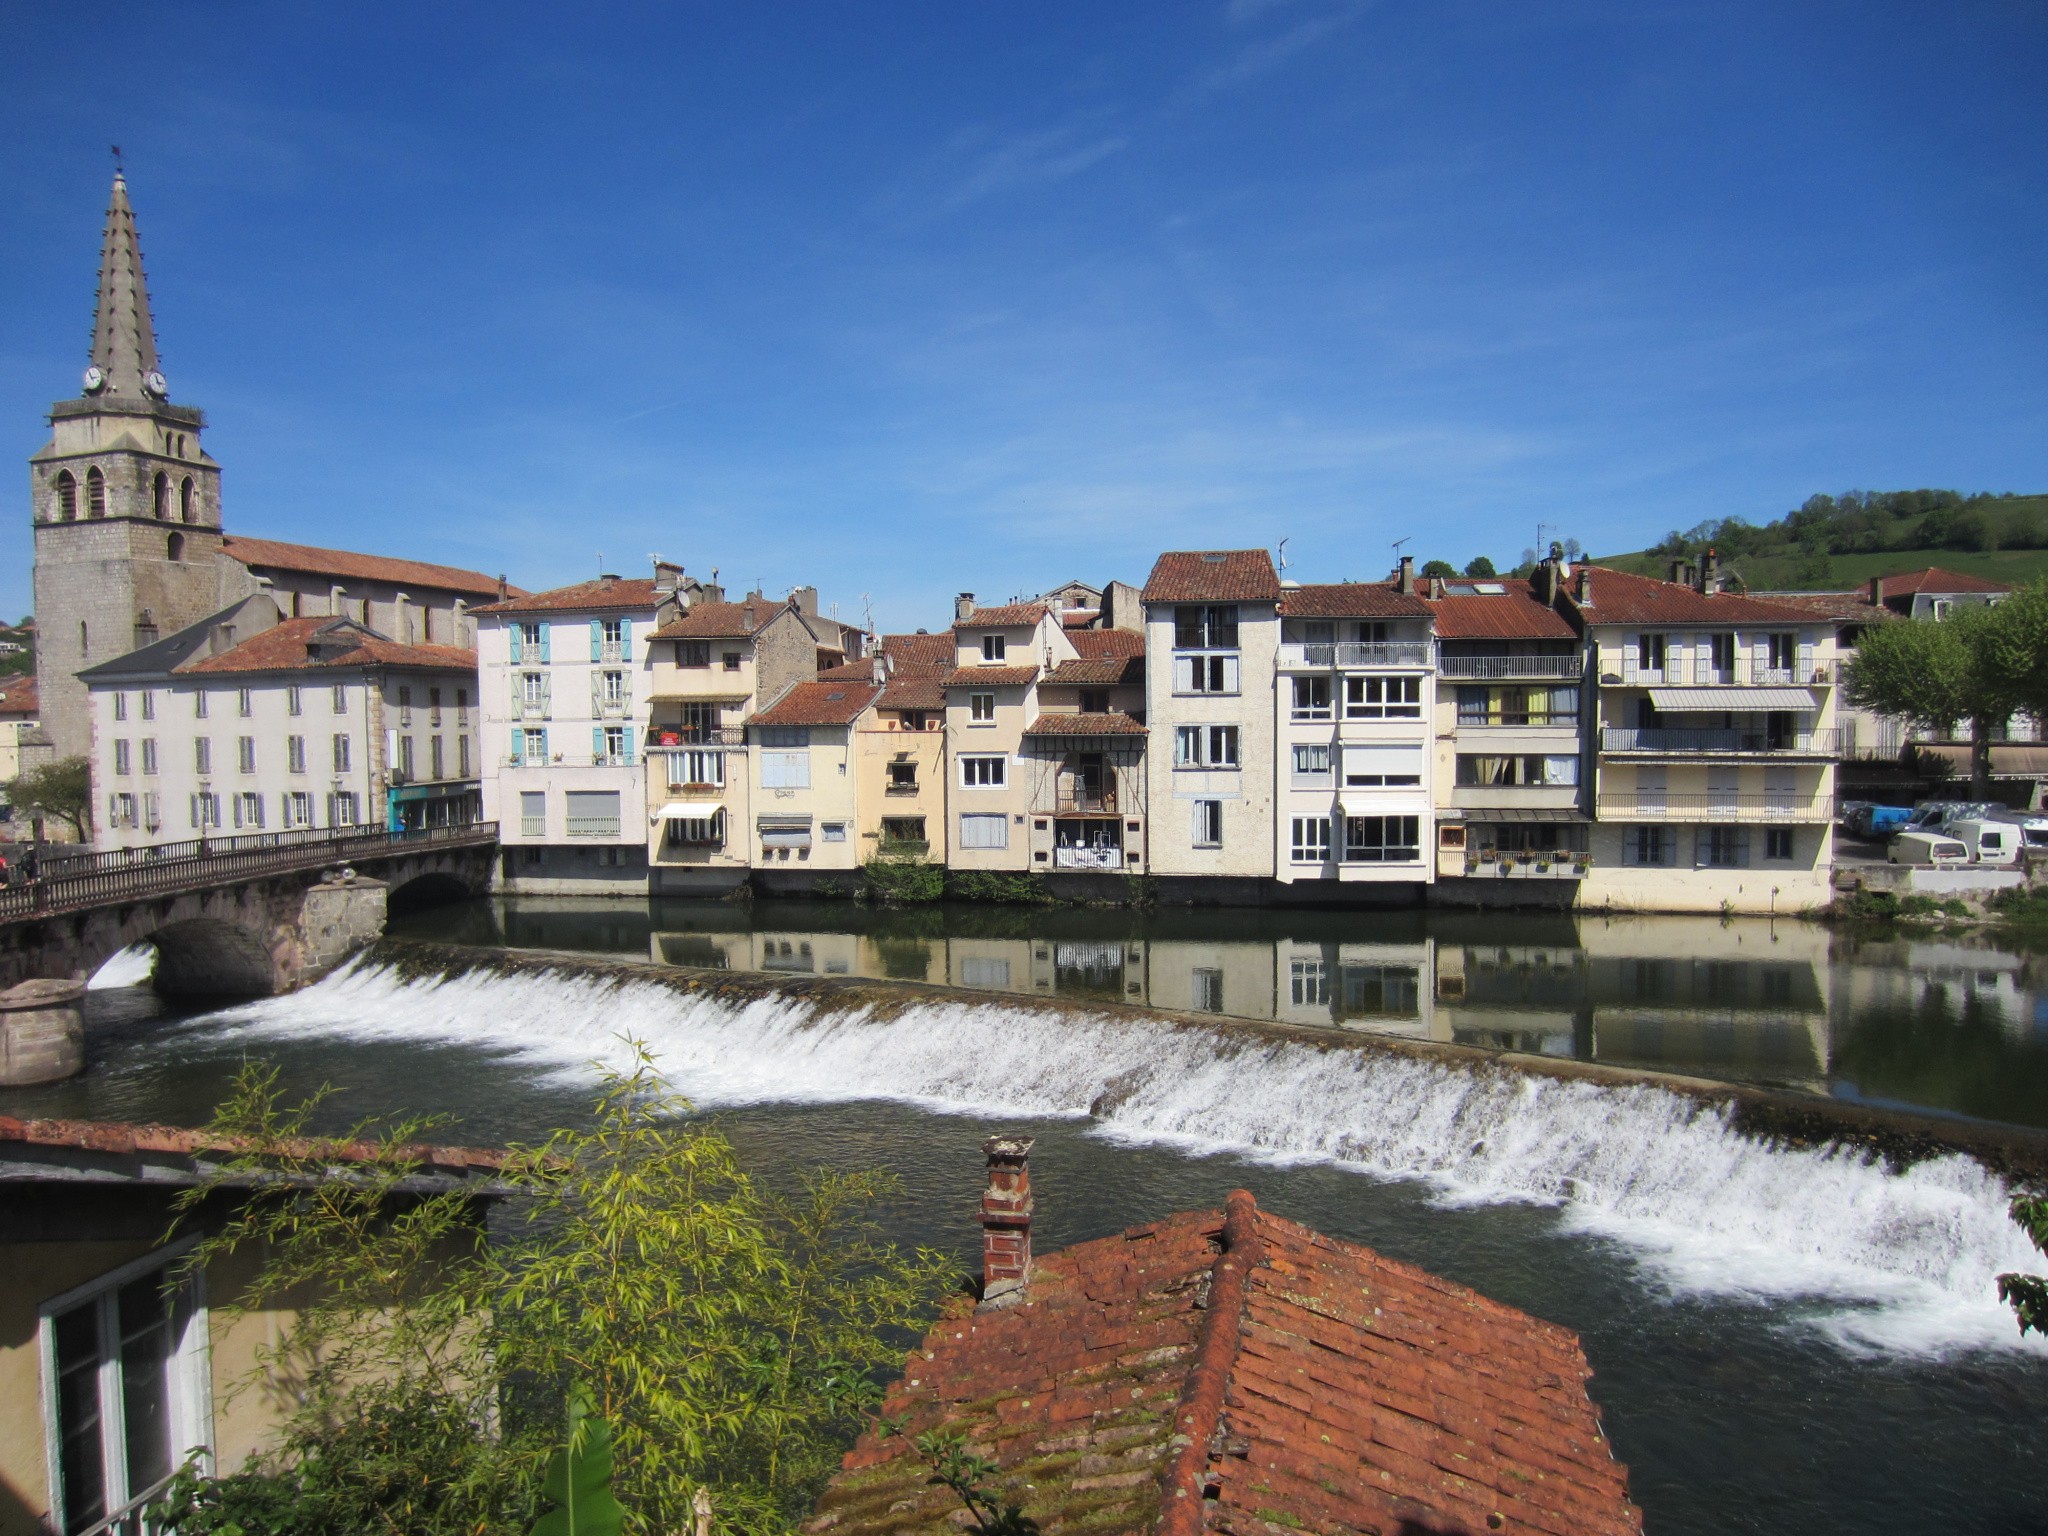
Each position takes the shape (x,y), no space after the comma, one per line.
(2032,824)
(1989,842)
(1926,848)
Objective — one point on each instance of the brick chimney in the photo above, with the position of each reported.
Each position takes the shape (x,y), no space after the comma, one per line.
(1006,1221)
(504,588)
(1710,573)
(1585,587)
(1877,591)
(1407,577)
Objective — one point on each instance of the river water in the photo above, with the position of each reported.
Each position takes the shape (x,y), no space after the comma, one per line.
(1783,1339)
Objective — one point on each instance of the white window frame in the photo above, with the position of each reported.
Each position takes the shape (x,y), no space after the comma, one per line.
(994,649)
(981,709)
(1208,824)
(1309,841)
(1313,698)
(985,771)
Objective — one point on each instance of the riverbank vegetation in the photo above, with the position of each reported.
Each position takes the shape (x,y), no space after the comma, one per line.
(732,1337)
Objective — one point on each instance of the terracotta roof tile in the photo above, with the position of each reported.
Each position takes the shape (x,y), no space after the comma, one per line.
(1086,725)
(1213,576)
(1843,607)
(1934,579)
(1008,616)
(914,688)
(1513,615)
(1620,598)
(989,677)
(597,596)
(1093,643)
(817,703)
(295,645)
(1108,671)
(721,621)
(122,1137)
(1351,600)
(920,649)
(1240,1373)
(18,697)
(270,554)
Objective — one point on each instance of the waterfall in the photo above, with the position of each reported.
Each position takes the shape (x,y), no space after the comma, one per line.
(1879,1261)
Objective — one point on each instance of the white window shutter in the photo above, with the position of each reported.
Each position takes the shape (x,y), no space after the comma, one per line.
(1630,645)
(1805,661)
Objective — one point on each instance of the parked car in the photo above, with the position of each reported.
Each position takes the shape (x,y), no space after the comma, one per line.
(1989,842)
(1926,849)
(1878,821)
(1928,815)
(2032,824)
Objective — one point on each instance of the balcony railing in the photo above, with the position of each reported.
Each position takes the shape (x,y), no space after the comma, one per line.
(1514,668)
(1819,743)
(1702,673)
(571,760)
(1088,858)
(698,736)
(1085,803)
(1647,805)
(1378,653)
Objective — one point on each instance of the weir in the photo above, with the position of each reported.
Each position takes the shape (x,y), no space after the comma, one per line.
(1895,1225)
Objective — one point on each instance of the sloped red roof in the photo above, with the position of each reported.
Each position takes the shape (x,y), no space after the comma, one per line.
(1092,643)
(1512,615)
(597,596)
(914,688)
(1105,724)
(1843,607)
(920,649)
(122,1138)
(1235,1372)
(1092,673)
(272,555)
(18,697)
(1619,598)
(284,648)
(818,703)
(989,677)
(1078,618)
(1009,615)
(1351,600)
(722,621)
(1934,579)
(860,671)
(1213,576)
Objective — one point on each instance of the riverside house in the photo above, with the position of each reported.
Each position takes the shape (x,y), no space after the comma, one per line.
(900,791)
(1000,655)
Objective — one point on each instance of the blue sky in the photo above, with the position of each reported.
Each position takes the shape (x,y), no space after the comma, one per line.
(903,299)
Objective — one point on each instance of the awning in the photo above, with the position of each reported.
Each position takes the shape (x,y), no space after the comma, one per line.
(784,831)
(1495,814)
(2008,759)
(1380,802)
(691,810)
(1714,700)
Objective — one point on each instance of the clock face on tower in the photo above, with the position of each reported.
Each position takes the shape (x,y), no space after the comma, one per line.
(154,383)
(95,379)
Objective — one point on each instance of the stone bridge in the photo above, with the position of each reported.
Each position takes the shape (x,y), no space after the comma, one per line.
(241,916)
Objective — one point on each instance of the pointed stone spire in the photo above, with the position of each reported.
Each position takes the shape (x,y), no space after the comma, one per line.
(123,335)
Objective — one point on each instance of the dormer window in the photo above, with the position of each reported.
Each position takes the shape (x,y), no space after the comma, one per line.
(993,648)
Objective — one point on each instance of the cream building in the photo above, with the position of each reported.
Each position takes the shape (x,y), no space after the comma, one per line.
(992,698)
(1084,755)
(804,789)
(901,789)
(1212,635)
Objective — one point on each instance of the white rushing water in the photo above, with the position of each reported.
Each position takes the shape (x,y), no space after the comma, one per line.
(131,967)
(1880,1262)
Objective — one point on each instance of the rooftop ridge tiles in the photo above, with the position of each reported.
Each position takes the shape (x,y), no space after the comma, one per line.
(1200,1413)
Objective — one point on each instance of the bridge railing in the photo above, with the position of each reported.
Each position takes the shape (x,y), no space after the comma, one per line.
(160,869)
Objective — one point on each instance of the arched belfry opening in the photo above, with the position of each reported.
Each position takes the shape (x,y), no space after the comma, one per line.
(95,493)
(67,496)
(160,496)
(176,549)
(185,500)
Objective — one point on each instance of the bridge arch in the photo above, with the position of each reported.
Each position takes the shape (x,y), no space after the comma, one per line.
(429,888)
(212,956)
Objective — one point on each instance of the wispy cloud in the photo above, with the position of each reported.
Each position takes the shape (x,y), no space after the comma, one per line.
(1259,59)
(1006,162)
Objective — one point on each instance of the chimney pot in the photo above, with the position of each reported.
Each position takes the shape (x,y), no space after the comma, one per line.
(1585,587)
(1407,579)
(1006,1208)
(1877,591)
(963,605)
(504,588)
(1710,573)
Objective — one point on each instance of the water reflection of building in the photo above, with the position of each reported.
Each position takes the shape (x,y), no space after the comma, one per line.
(1954,975)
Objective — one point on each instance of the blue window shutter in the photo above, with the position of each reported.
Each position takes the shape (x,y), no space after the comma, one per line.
(629,746)
(518,640)
(546,637)
(597,639)
(596,742)
(518,750)
(625,639)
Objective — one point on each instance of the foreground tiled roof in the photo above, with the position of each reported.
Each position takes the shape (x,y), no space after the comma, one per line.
(989,677)
(1089,673)
(1245,1374)
(1352,600)
(920,649)
(1086,725)
(1213,576)
(1619,598)
(270,554)
(1009,615)
(1512,615)
(108,1136)
(598,596)
(721,621)
(1107,642)
(18,697)
(1843,607)
(287,647)
(817,703)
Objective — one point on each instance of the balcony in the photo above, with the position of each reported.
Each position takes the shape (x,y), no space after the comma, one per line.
(1648,805)
(1360,654)
(1513,668)
(1702,673)
(1500,864)
(1624,739)
(696,736)
(1088,858)
(1083,802)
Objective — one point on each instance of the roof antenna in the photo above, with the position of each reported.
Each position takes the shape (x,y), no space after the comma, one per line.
(1280,558)
(1397,549)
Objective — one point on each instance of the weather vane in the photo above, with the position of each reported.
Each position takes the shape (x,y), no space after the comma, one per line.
(117,158)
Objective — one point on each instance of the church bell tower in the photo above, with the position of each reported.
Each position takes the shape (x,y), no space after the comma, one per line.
(125,500)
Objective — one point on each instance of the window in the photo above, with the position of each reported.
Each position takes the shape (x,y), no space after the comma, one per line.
(984,772)
(249,809)
(832,831)
(1312,698)
(199,705)
(1781,652)
(1777,842)
(1518,706)
(1481,770)
(529,643)
(120,706)
(1308,983)
(436,765)
(1205,674)
(693,653)
(120,757)
(149,754)
(613,690)
(696,766)
(405,757)
(95,493)
(1382,767)
(67,497)
(185,505)
(462,757)
(404,705)
(1317,631)
(1382,698)
(245,703)
(1205,988)
(903,776)
(785,770)
(341,809)
(533,813)
(1649,653)
(1312,760)
(530,744)
(593,812)
(126,1361)
(1721,654)
(984,831)
(993,648)
(341,753)
(732,661)
(1208,823)
(1205,746)
(1649,846)
(294,700)
(783,736)
(245,753)
(696,831)
(613,633)
(298,809)
(341,698)
(902,829)
(1382,839)
(981,709)
(1210,627)
(1724,847)
(1311,840)
(121,810)
(202,756)
(148,704)
(533,690)
(205,810)
(1094,701)
(615,746)
(295,754)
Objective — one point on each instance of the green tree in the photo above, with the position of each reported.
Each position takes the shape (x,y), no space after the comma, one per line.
(729,1335)
(1479,568)
(62,789)
(1442,568)
(2027,1295)
(1968,668)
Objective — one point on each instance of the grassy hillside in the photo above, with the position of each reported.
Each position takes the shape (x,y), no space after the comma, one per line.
(1798,573)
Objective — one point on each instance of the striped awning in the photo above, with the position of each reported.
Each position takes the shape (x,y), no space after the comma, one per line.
(691,810)
(1717,699)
